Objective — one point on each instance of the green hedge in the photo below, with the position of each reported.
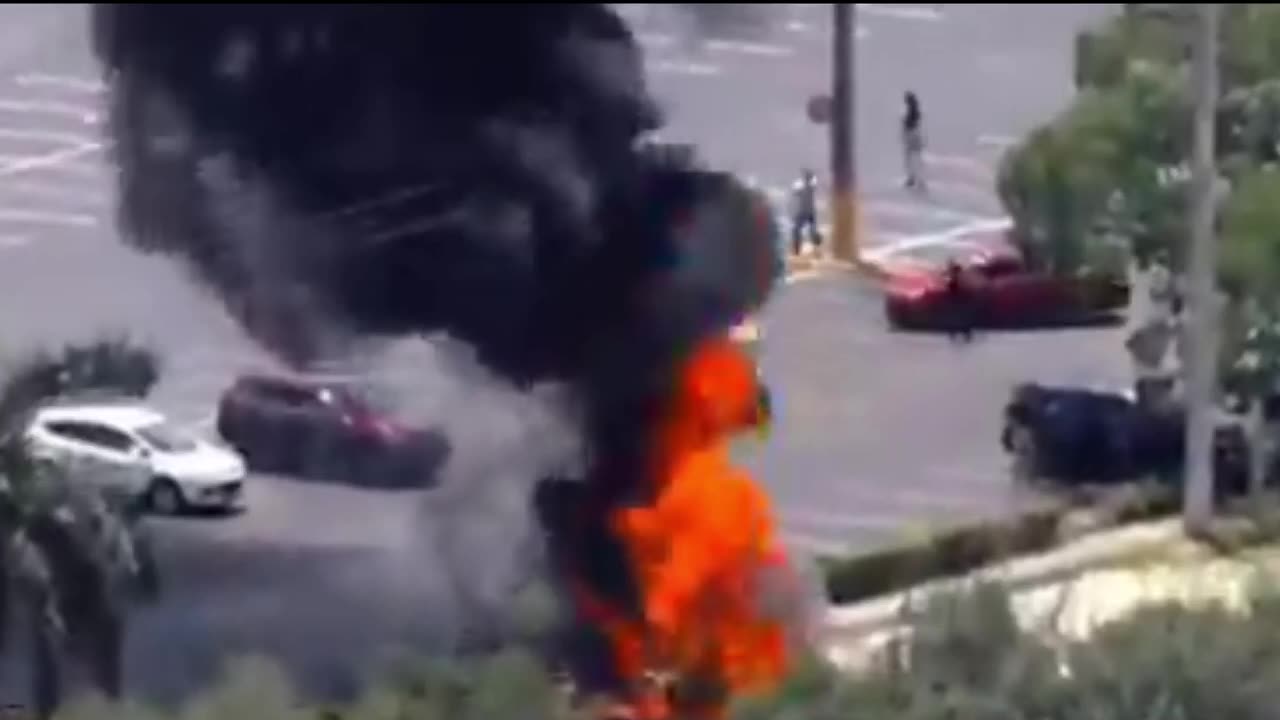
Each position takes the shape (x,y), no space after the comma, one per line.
(966,658)
(959,550)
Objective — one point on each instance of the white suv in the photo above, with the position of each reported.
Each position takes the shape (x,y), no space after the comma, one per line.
(133,451)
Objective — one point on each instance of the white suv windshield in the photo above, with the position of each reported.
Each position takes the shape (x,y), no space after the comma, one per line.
(167,439)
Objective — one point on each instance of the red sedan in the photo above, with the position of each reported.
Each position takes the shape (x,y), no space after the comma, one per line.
(1005,292)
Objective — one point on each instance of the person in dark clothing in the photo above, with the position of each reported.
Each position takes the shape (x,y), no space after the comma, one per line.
(804,212)
(959,304)
(913,142)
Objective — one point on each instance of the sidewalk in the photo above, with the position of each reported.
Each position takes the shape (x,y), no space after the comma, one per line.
(806,266)
(1074,589)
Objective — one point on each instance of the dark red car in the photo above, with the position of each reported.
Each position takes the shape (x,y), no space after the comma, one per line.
(1004,292)
(325,428)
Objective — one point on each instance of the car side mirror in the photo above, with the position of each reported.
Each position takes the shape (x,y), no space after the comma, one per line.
(141,453)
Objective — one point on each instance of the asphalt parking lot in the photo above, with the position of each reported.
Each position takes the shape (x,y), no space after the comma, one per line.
(876,431)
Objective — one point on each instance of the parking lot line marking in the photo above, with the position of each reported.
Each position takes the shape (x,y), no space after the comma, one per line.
(85,115)
(655,41)
(47,160)
(926,13)
(46,218)
(886,251)
(721,45)
(67,82)
(45,136)
(692,69)
(997,141)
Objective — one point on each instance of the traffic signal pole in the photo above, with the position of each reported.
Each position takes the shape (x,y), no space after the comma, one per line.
(844,179)
(1203,312)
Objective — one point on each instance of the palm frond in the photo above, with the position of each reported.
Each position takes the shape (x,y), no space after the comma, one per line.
(108,365)
(74,556)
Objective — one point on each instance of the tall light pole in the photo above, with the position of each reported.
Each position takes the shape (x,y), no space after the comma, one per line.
(1203,315)
(844,178)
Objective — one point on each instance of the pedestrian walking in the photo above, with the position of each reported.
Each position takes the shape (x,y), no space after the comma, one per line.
(804,212)
(960,304)
(913,143)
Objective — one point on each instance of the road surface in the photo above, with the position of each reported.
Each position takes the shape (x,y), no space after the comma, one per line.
(876,430)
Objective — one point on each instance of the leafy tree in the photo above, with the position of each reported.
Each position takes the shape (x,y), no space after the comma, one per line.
(1130,129)
(1108,170)
(69,561)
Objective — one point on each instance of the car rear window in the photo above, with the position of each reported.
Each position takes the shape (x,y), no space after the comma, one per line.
(166,438)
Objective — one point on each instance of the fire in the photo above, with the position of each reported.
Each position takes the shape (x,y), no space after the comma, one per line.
(698,552)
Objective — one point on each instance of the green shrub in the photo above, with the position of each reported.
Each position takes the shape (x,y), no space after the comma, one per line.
(945,553)
(958,550)
(965,658)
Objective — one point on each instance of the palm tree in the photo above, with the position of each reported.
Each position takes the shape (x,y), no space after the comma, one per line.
(70,560)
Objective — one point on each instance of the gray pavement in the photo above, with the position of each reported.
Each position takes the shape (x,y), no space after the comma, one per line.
(876,430)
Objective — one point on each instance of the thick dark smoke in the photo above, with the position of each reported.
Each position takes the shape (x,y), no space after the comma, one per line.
(337,172)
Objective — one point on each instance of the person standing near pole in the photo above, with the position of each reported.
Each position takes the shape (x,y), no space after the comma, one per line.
(804,212)
(913,142)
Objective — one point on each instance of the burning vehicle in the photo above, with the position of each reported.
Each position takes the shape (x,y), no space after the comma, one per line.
(340,174)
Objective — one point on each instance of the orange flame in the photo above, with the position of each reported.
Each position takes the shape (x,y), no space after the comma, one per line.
(697,552)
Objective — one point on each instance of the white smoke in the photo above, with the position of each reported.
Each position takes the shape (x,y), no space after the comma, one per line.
(478,519)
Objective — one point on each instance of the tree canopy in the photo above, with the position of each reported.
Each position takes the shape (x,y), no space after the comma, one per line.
(1113,167)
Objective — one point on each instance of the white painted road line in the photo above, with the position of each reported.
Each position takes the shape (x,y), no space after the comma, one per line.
(655,41)
(884,252)
(692,69)
(926,13)
(997,141)
(748,48)
(46,136)
(47,160)
(33,107)
(46,218)
(64,82)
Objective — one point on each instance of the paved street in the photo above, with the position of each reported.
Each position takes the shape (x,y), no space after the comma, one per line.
(876,430)
(882,430)
(985,74)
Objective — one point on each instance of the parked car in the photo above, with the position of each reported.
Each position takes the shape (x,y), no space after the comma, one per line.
(1004,290)
(1076,436)
(324,428)
(134,452)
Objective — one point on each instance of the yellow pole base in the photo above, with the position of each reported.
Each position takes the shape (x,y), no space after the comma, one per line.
(847,233)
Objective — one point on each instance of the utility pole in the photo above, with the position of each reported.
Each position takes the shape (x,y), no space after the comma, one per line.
(1202,316)
(844,179)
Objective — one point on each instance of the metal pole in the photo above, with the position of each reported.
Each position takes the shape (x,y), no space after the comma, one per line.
(1202,308)
(844,181)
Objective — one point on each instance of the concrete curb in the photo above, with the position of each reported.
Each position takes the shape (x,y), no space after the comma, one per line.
(832,266)
(1131,543)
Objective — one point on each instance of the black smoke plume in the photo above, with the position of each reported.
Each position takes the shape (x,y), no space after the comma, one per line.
(348,171)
